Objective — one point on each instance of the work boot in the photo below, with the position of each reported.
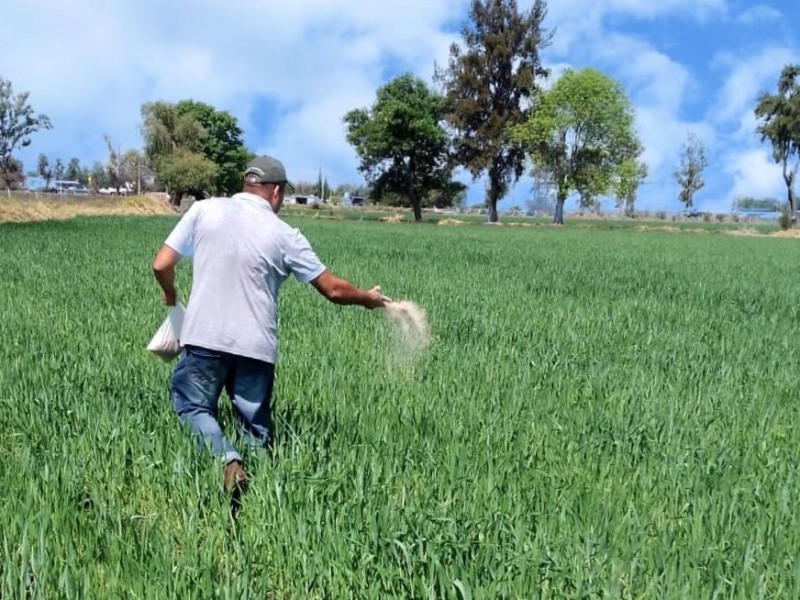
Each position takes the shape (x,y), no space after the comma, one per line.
(234,478)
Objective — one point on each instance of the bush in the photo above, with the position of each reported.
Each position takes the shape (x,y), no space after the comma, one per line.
(661,215)
(720,218)
(785,220)
(706,217)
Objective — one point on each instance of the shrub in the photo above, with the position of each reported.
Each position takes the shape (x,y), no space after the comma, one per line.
(785,220)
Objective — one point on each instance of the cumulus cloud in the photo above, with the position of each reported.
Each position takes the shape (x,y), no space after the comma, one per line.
(90,66)
(289,71)
(754,174)
(760,13)
(748,77)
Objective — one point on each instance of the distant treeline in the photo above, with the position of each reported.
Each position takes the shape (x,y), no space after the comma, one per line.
(766,204)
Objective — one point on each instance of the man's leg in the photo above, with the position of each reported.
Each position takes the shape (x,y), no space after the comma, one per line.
(195,388)
(249,386)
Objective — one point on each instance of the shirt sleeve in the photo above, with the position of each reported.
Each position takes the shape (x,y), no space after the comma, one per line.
(301,259)
(181,239)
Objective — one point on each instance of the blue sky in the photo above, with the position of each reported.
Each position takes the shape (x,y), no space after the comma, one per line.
(289,71)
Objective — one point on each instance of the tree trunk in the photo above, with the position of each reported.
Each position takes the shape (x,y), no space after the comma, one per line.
(788,177)
(412,193)
(417,209)
(494,194)
(558,217)
(493,211)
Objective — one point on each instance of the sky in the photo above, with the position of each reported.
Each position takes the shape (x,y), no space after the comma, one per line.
(289,71)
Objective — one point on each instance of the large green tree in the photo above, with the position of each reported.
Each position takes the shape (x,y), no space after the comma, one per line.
(221,143)
(689,174)
(17,122)
(173,146)
(581,134)
(489,84)
(187,172)
(401,143)
(779,116)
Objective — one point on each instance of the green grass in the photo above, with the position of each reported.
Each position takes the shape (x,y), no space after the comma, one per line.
(601,414)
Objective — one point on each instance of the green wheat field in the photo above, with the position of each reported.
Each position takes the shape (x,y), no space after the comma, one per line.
(599,414)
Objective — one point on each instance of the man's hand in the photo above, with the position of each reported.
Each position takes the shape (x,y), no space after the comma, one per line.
(341,291)
(169,298)
(376,299)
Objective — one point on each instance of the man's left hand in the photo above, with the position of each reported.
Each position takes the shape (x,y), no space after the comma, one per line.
(169,298)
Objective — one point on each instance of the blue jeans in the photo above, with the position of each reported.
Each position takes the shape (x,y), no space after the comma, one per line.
(195,388)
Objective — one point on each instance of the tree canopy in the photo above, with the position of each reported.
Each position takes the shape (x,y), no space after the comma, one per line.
(17,122)
(488,86)
(182,152)
(400,142)
(221,143)
(779,116)
(581,134)
(689,175)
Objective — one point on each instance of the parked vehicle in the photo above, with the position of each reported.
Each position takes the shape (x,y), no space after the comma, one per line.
(65,187)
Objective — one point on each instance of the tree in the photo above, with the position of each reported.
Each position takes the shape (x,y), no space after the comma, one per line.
(58,170)
(15,175)
(44,170)
(167,133)
(401,144)
(17,123)
(452,194)
(133,167)
(98,176)
(630,175)
(221,143)
(689,175)
(488,86)
(113,165)
(319,189)
(187,173)
(579,134)
(780,124)
(173,132)
(74,169)
(543,196)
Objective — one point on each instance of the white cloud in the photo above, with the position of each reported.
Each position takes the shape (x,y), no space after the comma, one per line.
(90,66)
(760,13)
(577,20)
(748,78)
(304,64)
(754,174)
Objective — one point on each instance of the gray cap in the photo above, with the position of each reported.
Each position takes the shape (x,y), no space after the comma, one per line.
(265,169)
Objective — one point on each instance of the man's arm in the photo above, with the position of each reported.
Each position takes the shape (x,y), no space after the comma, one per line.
(341,291)
(164,272)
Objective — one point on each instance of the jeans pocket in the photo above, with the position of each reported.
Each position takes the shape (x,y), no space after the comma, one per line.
(204,352)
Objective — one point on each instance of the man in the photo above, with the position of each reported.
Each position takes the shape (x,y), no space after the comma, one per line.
(242,253)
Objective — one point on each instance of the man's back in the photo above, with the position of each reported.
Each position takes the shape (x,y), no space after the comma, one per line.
(242,253)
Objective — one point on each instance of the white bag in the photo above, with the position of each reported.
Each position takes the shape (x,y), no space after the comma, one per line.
(166,342)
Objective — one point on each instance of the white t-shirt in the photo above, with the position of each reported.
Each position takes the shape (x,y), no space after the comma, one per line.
(242,253)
